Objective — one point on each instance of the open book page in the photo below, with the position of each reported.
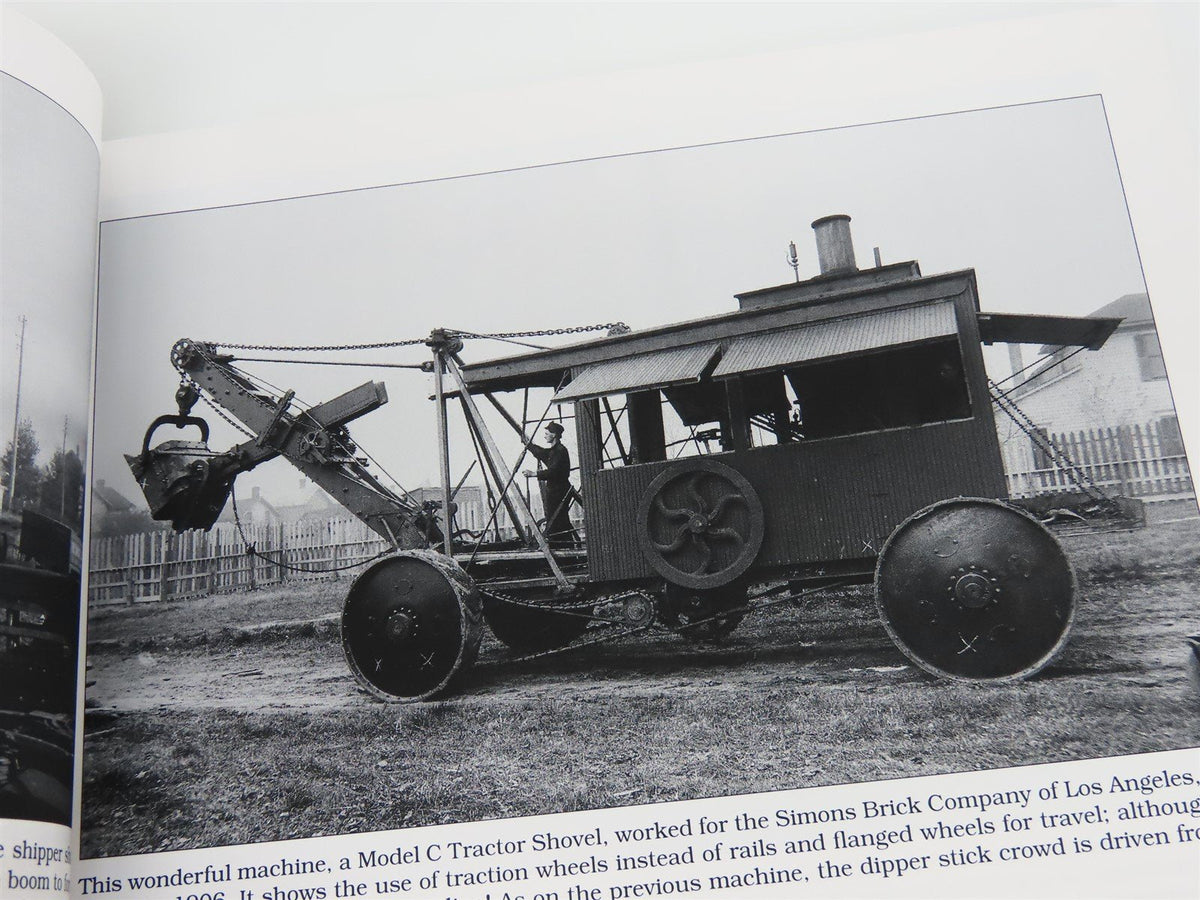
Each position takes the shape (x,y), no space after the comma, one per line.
(762,676)
(873,567)
(49,186)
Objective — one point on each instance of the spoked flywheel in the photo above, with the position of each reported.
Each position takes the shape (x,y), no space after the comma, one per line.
(975,590)
(700,524)
(410,624)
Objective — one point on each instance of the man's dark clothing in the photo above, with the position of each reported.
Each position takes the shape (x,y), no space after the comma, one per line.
(554,479)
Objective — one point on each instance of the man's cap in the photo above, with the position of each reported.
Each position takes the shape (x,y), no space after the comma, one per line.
(555,428)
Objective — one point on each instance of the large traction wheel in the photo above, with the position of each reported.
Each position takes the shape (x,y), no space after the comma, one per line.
(411,624)
(975,590)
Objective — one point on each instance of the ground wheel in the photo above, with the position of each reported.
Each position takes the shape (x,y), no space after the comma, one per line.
(410,625)
(703,616)
(527,629)
(975,590)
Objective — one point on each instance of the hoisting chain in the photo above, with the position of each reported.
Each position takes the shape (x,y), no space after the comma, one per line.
(1072,469)
(620,327)
(187,379)
(412,342)
(317,348)
(229,420)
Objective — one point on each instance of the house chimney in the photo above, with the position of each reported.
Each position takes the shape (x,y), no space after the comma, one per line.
(835,250)
(1015,362)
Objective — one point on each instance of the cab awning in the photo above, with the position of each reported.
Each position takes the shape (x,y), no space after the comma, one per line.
(643,372)
(838,337)
(1057,331)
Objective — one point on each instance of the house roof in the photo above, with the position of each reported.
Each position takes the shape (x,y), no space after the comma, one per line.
(113,500)
(1133,309)
(316,505)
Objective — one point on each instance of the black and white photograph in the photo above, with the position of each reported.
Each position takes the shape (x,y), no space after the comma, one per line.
(47,280)
(797,460)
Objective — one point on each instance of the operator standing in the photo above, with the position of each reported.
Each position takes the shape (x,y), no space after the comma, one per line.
(554,479)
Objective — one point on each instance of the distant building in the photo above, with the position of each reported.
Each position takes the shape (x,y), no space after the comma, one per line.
(107,500)
(1109,410)
(317,507)
(255,510)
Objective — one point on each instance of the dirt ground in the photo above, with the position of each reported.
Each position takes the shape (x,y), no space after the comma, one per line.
(233,652)
(818,679)
(785,646)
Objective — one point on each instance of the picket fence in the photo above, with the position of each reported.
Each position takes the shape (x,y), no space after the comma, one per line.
(164,565)
(1130,461)
(1135,461)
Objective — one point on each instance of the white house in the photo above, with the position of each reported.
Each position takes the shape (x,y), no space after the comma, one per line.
(1109,410)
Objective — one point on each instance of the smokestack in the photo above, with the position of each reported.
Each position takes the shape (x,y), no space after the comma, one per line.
(835,250)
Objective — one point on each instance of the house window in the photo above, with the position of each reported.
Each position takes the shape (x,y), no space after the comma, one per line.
(1150,360)
(1039,439)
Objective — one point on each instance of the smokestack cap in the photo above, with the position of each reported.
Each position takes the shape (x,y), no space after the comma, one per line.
(835,250)
(817,223)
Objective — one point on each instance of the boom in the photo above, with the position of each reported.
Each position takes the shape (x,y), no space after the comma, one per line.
(188,484)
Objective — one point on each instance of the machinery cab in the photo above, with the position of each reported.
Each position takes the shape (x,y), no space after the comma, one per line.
(790,437)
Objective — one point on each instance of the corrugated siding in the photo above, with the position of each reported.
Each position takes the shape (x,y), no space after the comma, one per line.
(824,500)
(648,370)
(776,349)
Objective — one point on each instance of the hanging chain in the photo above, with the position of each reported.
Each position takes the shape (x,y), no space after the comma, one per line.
(316,348)
(1072,469)
(607,629)
(229,420)
(621,327)
(253,551)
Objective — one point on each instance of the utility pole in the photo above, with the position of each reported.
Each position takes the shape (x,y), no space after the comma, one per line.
(12,472)
(62,473)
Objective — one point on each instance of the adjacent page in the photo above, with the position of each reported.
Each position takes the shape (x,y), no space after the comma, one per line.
(49,186)
(776,365)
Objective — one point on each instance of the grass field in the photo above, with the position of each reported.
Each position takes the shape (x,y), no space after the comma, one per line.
(233,719)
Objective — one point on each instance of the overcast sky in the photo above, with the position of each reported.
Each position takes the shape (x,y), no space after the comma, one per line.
(1028,196)
(49,176)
